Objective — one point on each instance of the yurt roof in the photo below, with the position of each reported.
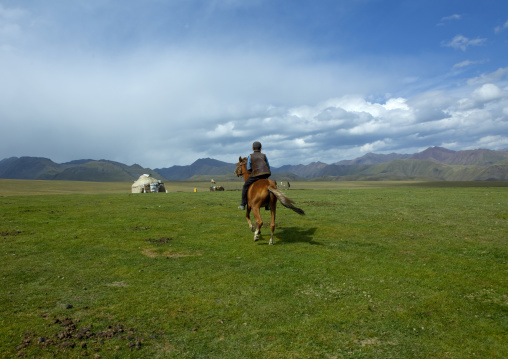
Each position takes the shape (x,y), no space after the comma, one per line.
(144,180)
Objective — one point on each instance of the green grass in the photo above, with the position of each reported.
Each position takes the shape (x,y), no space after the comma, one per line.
(380,270)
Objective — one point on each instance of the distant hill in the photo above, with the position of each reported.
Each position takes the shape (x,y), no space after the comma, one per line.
(373,159)
(39,168)
(436,154)
(204,166)
(27,167)
(480,157)
(305,171)
(434,163)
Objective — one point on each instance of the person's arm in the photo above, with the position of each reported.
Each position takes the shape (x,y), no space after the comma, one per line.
(249,164)
(267,163)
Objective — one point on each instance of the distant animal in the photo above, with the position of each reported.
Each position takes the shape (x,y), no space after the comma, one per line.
(216,188)
(284,185)
(213,182)
(262,193)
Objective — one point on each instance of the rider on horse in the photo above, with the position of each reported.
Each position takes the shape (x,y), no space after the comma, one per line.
(257,164)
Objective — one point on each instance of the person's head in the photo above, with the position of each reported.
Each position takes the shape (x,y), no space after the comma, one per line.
(256,146)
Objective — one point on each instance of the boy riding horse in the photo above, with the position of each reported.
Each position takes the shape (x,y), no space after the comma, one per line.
(259,168)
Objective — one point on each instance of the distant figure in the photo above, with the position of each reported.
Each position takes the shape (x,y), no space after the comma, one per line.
(213,182)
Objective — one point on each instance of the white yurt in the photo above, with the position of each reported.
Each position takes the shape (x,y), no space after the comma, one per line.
(146,183)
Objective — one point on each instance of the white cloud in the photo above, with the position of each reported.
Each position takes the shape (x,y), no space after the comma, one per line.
(467,63)
(222,130)
(500,75)
(501,28)
(430,106)
(487,92)
(493,142)
(446,19)
(463,64)
(375,146)
(461,42)
(452,17)
(396,104)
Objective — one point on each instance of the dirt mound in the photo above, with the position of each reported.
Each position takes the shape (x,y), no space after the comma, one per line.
(73,337)
(161,240)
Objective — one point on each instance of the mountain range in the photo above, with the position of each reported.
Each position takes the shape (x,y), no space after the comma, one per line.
(434,163)
(39,168)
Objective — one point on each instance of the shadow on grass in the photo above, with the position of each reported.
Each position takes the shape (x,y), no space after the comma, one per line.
(293,235)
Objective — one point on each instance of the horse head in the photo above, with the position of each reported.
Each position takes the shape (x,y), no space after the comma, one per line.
(241,162)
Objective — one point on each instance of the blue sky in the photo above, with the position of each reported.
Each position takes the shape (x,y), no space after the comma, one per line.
(165,82)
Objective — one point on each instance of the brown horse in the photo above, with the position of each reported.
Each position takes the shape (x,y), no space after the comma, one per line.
(262,193)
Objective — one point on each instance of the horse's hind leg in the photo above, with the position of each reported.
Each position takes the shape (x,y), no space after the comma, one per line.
(247,216)
(272,223)
(259,222)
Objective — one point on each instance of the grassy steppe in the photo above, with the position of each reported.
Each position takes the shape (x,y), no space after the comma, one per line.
(380,270)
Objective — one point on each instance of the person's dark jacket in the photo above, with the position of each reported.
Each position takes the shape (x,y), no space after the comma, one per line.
(258,164)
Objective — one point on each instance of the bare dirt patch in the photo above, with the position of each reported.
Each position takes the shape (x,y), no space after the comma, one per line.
(138,228)
(84,340)
(161,240)
(9,233)
(152,253)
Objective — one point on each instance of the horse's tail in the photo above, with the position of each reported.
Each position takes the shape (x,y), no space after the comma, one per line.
(286,202)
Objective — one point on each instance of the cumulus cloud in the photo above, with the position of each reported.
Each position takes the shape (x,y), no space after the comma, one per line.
(495,141)
(145,117)
(349,123)
(460,42)
(375,146)
(488,92)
